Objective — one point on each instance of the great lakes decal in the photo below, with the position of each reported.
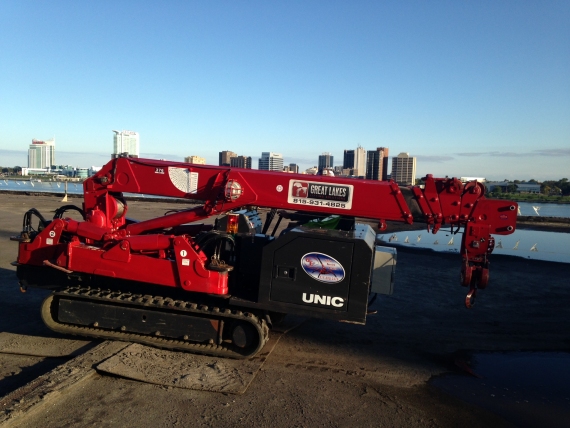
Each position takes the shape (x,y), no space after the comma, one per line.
(318,193)
(323,268)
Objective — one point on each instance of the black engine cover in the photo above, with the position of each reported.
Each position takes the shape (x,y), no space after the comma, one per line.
(317,272)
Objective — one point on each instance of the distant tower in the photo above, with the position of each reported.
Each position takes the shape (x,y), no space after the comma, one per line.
(360,162)
(41,154)
(240,162)
(293,167)
(270,161)
(325,161)
(377,164)
(355,160)
(225,156)
(404,169)
(125,142)
(195,160)
(348,160)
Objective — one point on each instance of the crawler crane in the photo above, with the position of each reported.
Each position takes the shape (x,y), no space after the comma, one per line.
(176,283)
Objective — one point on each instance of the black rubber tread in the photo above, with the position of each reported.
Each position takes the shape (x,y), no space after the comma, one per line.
(226,350)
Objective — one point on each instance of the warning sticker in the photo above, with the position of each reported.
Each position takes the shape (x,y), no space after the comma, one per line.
(183,180)
(318,193)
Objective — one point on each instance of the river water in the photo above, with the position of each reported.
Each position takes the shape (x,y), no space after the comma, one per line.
(545,210)
(34,186)
(531,244)
(46,187)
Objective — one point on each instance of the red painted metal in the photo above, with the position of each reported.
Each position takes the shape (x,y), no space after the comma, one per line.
(105,244)
(470,298)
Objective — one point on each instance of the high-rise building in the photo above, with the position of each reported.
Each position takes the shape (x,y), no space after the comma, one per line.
(41,154)
(348,159)
(360,162)
(404,169)
(270,161)
(225,157)
(195,160)
(325,161)
(377,164)
(293,167)
(240,162)
(355,160)
(125,142)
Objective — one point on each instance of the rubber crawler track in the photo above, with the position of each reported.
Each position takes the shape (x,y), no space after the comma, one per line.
(227,350)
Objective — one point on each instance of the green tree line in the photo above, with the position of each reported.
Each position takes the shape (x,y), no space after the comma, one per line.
(10,170)
(549,187)
(560,187)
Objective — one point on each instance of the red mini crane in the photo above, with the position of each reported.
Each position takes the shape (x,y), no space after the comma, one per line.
(174,283)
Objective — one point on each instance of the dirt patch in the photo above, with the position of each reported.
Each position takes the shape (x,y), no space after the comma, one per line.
(198,372)
(182,370)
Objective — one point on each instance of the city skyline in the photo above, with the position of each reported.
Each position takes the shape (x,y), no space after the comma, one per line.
(469,88)
(89,159)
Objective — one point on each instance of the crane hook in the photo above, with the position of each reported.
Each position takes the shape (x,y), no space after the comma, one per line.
(470,298)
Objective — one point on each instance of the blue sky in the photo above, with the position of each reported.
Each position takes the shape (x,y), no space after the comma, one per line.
(471,88)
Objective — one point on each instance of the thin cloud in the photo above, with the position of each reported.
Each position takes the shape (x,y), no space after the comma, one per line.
(12,152)
(303,161)
(543,152)
(435,159)
(494,154)
(553,152)
(509,154)
(65,152)
(471,154)
(167,156)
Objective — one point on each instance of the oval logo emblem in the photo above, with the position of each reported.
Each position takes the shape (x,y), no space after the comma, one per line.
(323,268)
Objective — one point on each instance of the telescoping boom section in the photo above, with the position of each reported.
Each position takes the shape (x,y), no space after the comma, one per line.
(177,283)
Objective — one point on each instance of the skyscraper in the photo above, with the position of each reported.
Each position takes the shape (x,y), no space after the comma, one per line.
(355,160)
(348,160)
(240,162)
(293,167)
(225,157)
(126,142)
(404,169)
(360,162)
(41,154)
(377,164)
(325,161)
(270,161)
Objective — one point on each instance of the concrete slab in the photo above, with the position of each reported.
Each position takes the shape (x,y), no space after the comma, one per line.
(188,371)
(38,346)
(198,372)
(33,396)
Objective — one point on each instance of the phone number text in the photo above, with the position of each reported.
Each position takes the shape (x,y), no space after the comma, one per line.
(317,202)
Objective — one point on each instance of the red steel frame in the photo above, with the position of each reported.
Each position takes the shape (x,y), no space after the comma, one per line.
(106,244)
